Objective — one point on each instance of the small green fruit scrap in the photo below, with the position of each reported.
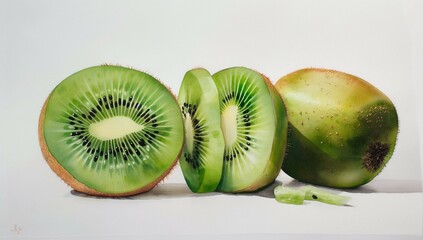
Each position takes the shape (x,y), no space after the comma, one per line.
(289,195)
(313,193)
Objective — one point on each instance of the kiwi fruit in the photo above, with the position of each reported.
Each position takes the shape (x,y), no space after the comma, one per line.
(342,129)
(254,126)
(201,160)
(111,131)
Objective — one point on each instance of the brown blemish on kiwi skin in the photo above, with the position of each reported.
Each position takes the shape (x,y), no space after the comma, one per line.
(75,184)
(375,155)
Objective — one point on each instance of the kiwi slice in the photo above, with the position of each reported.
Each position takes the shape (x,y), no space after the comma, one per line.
(254,125)
(111,131)
(201,161)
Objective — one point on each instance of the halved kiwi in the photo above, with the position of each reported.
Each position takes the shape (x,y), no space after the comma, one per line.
(254,125)
(201,161)
(111,131)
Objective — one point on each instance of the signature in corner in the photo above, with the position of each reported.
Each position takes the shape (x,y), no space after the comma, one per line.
(16,229)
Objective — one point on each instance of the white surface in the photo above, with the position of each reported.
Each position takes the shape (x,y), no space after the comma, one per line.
(42,42)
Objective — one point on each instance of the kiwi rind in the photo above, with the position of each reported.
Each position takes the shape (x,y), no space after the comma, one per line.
(342,129)
(78,185)
(203,171)
(263,168)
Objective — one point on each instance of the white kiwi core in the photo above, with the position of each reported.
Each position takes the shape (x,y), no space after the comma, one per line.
(113,128)
(229,124)
(189,133)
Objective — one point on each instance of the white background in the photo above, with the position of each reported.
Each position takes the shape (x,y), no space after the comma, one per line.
(43,42)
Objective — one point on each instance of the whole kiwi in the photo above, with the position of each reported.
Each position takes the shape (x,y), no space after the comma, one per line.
(342,129)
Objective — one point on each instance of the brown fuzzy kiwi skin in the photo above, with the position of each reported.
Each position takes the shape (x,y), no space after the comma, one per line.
(75,184)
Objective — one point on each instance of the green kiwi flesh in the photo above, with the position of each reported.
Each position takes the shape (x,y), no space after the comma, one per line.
(289,195)
(316,194)
(342,130)
(254,126)
(201,160)
(111,131)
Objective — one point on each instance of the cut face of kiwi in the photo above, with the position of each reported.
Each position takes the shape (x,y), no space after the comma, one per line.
(201,160)
(343,130)
(254,125)
(111,131)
